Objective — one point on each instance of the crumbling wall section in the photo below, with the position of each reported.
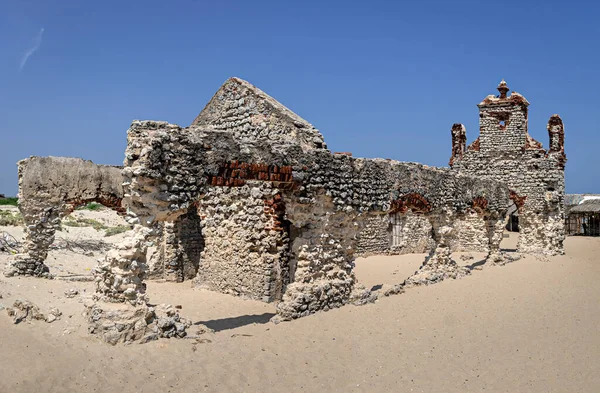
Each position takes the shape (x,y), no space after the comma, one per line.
(321,258)
(471,233)
(251,116)
(243,241)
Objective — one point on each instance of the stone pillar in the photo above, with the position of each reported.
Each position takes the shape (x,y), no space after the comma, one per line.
(119,277)
(495,231)
(172,258)
(459,142)
(541,233)
(322,259)
(556,134)
(40,228)
(439,265)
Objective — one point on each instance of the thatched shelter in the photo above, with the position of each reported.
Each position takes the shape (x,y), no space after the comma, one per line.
(583,218)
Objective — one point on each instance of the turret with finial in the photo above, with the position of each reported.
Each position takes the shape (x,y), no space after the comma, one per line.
(503,89)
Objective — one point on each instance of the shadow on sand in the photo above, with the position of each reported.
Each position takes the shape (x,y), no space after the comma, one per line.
(475,265)
(234,322)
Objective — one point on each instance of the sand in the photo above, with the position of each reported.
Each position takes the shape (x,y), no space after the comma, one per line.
(530,326)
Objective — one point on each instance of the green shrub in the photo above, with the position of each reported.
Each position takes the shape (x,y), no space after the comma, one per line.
(84,222)
(116,230)
(12,201)
(9,218)
(91,206)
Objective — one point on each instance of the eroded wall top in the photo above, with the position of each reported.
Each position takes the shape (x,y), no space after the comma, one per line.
(54,181)
(252,116)
(169,167)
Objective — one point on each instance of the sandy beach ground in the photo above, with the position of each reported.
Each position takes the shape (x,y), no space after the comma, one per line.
(530,326)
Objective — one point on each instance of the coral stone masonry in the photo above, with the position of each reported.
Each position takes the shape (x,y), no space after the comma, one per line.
(280,214)
(248,200)
(504,151)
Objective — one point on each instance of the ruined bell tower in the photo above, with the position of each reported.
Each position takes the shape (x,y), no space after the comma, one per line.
(504,151)
(503,121)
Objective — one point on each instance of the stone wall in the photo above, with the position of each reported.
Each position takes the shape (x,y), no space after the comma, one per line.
(375,238)
(504,151)
(254,117)
(245,250)
(471,233)
(411,233)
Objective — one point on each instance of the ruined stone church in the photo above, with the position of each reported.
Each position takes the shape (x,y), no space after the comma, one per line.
(248,200)
(504,151)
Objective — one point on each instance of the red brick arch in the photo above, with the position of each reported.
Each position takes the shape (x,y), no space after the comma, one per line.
(413,201)
(518,200)
(480,204)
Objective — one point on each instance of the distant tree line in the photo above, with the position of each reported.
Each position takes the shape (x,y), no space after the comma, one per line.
(8,201)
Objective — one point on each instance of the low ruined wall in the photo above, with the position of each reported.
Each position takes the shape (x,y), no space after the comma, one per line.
(412,233)
(471,233)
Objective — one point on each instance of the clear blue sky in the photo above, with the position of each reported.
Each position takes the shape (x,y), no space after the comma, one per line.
(378,78)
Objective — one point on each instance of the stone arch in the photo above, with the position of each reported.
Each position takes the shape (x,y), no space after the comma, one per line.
(50,188)
(494,222)
(480,205)
(518,200)
(412,201)
(41,226)
(470,227)
(438,265)
(517,215)
(177,252)
(322,253)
